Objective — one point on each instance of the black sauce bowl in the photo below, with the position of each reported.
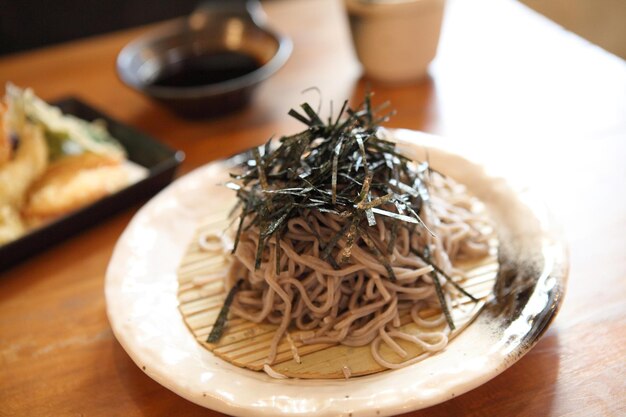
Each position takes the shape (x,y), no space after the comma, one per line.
(234,26)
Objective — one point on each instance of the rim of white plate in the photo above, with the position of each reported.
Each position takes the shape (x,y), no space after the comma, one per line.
(141,286)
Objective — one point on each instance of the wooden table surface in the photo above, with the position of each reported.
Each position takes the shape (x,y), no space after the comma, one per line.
(542,101)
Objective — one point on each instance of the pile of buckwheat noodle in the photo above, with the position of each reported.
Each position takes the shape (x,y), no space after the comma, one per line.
(358,304)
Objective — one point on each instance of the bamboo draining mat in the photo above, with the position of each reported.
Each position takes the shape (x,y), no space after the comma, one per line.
(246,344)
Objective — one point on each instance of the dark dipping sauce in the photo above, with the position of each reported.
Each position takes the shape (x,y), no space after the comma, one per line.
(206,69)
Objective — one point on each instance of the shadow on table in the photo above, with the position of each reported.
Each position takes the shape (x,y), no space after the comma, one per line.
(528,388)
(417,104)
(155,117)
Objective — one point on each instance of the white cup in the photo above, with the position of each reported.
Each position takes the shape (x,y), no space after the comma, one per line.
(395,40)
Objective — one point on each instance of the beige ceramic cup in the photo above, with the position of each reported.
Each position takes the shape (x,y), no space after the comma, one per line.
(395,40)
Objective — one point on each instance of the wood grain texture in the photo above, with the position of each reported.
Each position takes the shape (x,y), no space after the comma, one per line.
(518,87)
(201,294)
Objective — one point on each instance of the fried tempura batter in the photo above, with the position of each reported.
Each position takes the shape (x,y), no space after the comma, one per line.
(71,183)
(28,163)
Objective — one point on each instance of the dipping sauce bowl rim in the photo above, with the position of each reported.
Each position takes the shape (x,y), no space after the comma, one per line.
(170,29)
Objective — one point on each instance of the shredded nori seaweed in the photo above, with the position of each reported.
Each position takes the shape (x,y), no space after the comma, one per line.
(342,167)
(220,323)
(345,168)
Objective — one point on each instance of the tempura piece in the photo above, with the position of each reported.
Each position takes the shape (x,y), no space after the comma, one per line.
(28,163)
(73,182)
(11,226)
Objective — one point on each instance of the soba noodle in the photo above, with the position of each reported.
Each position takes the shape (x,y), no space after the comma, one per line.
(358,304)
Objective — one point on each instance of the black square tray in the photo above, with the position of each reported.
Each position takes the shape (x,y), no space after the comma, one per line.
(160,160)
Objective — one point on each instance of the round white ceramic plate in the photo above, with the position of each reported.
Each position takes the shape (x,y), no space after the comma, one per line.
(141,285)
